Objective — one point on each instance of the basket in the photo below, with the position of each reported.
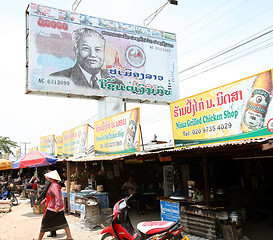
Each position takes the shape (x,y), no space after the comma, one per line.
(38,208)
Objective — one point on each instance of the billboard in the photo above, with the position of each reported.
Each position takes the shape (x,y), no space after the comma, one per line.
(118,134)
(240,110)
(18,153)
(75,55)
(33,149)
(75,141)
(47,144)
(6,156)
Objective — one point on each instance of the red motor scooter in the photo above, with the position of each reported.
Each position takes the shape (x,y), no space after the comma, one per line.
(121,227)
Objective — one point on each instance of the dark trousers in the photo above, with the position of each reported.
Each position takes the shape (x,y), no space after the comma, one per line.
(140,201)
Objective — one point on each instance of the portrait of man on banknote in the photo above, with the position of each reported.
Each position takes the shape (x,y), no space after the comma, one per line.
(89,47)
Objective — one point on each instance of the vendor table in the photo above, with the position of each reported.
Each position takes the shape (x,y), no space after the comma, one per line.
(103,198)
(196,218)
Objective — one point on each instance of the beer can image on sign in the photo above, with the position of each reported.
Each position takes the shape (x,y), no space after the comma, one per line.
(118,134)
(76,55)
(236,111)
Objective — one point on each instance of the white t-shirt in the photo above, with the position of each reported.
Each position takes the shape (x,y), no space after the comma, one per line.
(131,187)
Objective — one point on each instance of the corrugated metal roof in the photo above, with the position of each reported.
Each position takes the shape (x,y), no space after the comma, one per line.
(143,153)
(214,145)
(99,158)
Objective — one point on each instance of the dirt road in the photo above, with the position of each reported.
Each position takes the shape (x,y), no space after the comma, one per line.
(22,224)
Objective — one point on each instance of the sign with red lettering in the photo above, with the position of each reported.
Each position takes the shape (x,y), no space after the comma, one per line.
(74,141)
(118,134)
(47,144)
(240,110)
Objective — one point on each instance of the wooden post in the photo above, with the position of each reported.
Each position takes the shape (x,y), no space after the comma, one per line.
(68,186)
(206,178)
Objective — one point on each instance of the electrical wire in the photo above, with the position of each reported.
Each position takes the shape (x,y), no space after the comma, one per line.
(213,21)
(227,50)
(220,35)
(61,130)
(247,54)
(66,115)
(232,55)
(201,18)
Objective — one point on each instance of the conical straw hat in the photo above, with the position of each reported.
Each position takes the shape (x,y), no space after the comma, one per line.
(53,175)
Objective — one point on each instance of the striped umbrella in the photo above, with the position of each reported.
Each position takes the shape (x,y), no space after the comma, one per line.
(5,164)
(34,159)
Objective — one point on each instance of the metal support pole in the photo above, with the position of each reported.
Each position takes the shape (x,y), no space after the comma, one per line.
(153,15)
(68,184)
(75,5)
(206,178)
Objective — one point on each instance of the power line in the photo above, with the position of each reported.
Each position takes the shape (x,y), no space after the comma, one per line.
(213,21)
(229,49)
(199,19)
(64,116)
(230,56)
(247,54)
(75,125)
(239,25)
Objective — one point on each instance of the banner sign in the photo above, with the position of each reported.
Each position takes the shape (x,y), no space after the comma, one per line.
(75,141)
(118,134)
(33,149)
(240,110)
(47,144)
(71,54)
(18,153)
(59,144)
(6,156)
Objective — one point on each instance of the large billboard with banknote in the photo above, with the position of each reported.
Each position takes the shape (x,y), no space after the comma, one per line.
(236,111)
(76,55)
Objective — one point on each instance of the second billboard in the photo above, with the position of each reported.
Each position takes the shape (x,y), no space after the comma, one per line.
(118,134)
(236,111)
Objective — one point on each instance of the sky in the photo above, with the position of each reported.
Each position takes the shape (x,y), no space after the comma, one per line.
(203,29)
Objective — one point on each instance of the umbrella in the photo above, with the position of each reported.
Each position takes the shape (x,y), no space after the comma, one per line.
(5,164)
(34,159)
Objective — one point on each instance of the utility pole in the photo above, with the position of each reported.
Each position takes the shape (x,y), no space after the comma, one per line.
(25,145)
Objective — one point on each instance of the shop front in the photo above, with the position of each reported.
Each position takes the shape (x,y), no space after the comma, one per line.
(215,190)
(227,188)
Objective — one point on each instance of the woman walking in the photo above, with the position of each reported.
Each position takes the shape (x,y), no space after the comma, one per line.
(54,218)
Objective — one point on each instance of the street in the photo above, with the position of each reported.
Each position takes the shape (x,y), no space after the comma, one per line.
(22,224)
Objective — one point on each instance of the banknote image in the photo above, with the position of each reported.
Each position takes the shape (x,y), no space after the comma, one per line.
(71,54)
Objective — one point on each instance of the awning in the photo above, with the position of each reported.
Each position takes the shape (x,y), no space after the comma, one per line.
(168,150)
(100,158)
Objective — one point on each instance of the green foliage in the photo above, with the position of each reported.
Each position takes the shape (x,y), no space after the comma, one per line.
(5,145)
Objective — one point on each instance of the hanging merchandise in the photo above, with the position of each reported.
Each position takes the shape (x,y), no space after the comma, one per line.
(92,182)
(101,171)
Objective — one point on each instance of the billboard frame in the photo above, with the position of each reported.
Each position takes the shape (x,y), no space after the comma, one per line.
(164,35)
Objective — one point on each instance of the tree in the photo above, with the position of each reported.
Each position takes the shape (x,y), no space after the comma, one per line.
(5,145)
